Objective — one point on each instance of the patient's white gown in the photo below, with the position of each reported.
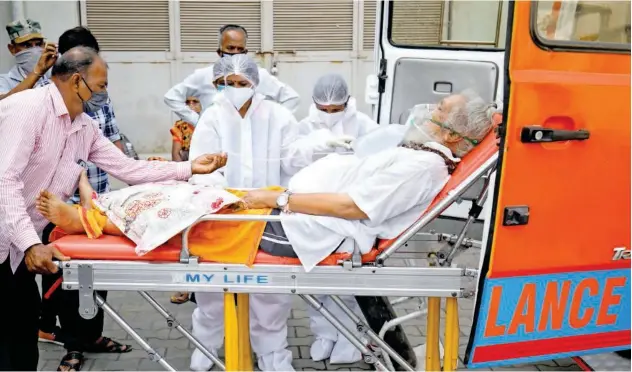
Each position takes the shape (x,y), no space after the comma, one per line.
(392,188)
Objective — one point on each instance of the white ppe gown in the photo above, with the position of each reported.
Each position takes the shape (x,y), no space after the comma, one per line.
(328,342)
(262,151)
(199,85)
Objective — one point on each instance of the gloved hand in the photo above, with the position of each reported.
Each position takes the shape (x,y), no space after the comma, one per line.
(340,141)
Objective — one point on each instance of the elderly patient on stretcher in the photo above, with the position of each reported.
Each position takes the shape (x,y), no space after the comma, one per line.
(329,204)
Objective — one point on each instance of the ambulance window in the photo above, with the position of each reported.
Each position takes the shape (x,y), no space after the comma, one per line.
(456,24)
(583,24)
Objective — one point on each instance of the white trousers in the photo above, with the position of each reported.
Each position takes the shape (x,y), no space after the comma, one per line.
(269,314)
(328,342)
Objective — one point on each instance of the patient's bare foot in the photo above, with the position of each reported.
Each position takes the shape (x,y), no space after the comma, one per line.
(61,214)
(85,191)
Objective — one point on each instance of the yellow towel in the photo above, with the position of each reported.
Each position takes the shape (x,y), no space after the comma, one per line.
(228,241)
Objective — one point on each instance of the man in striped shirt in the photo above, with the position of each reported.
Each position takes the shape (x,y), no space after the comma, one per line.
(45,136)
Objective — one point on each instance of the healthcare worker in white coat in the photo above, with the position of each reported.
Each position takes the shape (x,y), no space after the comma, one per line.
(259,138)
(232,41)
(334,119)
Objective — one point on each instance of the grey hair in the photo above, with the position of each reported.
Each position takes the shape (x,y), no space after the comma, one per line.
(472,119)
(75,60)
(226,28)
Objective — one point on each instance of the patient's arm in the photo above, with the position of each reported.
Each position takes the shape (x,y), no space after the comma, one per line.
(325,204)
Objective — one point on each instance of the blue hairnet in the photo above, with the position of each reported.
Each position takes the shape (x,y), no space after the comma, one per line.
(242,64)
(331,89)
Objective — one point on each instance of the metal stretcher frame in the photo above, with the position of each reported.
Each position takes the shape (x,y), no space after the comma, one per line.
(351,276)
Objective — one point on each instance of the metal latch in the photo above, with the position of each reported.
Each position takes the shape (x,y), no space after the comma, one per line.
(536,134)
(87,306)
(515,216)
(382,76)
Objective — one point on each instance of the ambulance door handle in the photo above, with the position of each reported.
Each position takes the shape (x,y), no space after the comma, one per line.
(537,134)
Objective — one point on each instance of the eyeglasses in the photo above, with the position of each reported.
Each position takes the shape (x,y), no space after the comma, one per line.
(453,132)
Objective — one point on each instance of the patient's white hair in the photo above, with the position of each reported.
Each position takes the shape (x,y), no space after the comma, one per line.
(471,118)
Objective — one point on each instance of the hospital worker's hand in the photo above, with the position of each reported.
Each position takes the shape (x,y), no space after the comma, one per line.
(47,59)
(39,258)
(260,199)
(208,163)
(341,141)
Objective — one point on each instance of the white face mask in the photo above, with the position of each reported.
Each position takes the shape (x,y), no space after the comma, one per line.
(238,96)
(330,119)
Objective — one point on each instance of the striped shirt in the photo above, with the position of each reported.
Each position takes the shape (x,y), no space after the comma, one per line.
(41,149)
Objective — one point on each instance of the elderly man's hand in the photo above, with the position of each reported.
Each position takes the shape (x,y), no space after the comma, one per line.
(39,259)
(260,199)
(208,163)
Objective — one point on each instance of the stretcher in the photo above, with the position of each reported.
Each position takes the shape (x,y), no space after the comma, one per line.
(110,263)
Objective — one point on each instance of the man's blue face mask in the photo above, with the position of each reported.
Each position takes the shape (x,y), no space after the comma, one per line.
(220,88)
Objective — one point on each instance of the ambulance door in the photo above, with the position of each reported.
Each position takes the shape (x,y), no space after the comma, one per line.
(429,49)
(556,276)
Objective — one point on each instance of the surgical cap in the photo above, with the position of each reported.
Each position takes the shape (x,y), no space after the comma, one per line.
(219,68)
(331,89)
(242,64)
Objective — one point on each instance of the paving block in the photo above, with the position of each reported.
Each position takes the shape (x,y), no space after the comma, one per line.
(48,365)
(299,314)
(117,365)
(308,363)
(355,366)
(295,352)
(299,341)
(302,331)
(177,352)
(139,353)
(302,322)
(108,356)
(304,352)
(150,365)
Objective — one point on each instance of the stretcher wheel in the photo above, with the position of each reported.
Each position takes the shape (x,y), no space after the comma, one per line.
(377,311)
